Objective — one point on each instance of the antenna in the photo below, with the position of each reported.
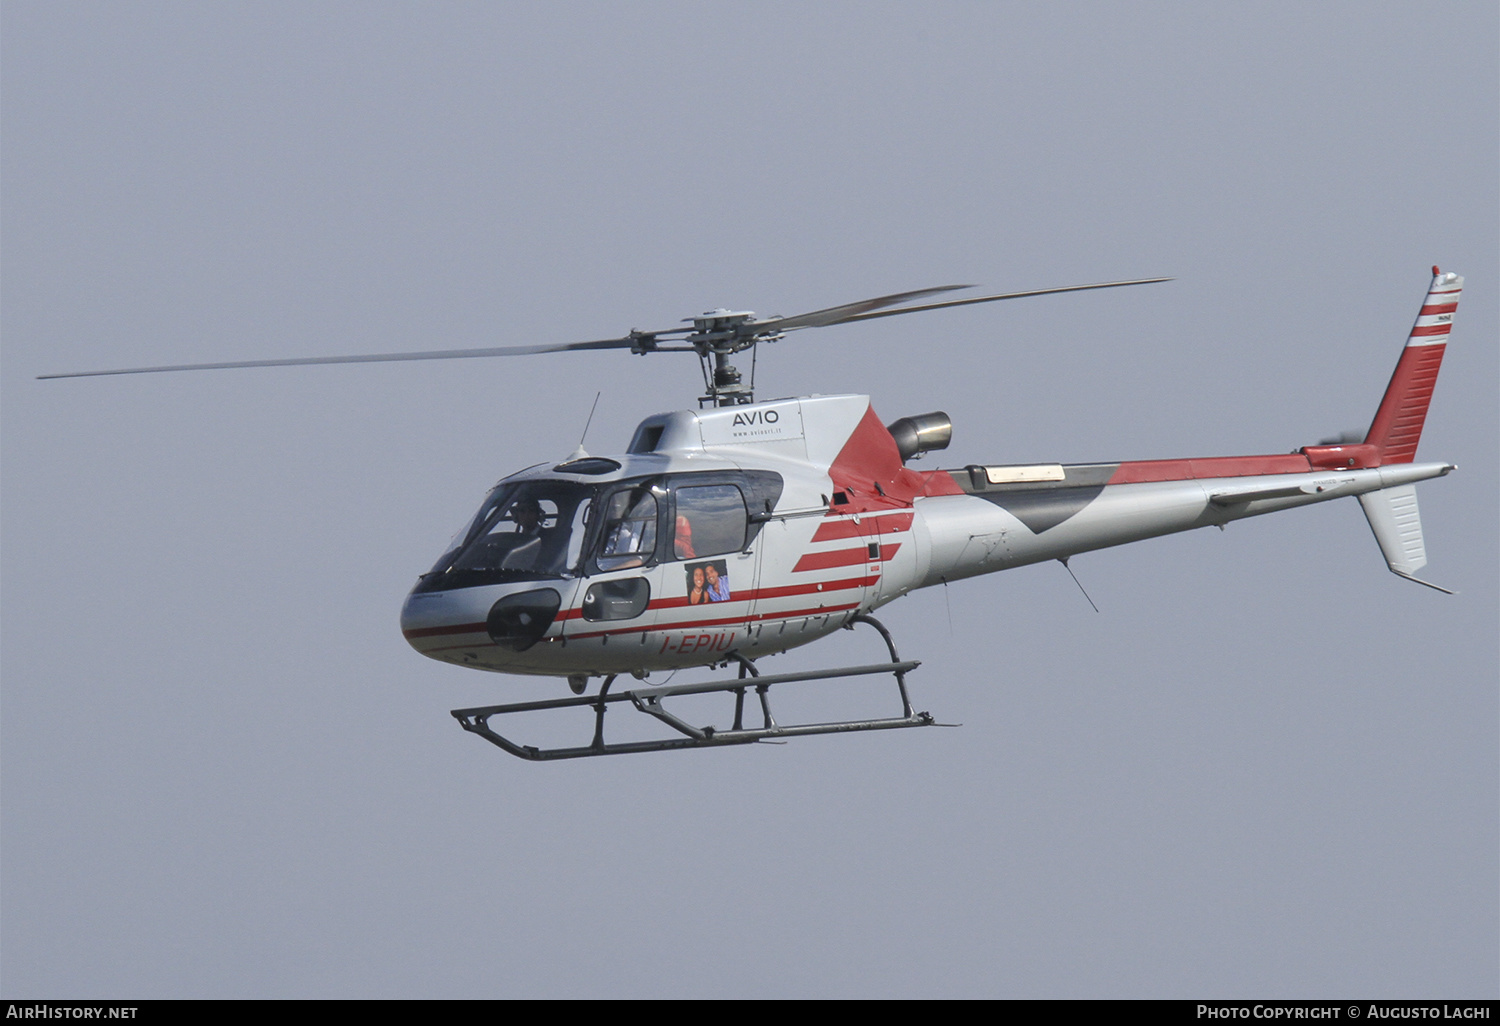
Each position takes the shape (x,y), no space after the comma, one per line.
(1064,561)
(590,420)
(578,453)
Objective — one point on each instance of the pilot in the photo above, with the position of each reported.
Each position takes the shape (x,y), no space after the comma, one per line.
(528,514)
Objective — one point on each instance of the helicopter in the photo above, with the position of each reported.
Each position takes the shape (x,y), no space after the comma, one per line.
(746,528)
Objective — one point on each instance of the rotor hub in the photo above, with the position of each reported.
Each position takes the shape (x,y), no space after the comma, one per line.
(723,331)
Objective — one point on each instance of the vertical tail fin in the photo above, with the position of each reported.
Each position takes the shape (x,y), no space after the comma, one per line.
(1398,423)
(1393,516)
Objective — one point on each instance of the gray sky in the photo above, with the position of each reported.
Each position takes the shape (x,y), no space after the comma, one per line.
(1266,767)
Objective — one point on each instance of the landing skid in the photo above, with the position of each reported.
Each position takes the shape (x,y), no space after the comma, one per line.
(650,702)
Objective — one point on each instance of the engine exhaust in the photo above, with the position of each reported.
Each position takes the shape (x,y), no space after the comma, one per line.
(925,432)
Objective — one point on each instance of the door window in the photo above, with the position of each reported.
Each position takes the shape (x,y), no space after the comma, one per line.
(711,520)
(629,535)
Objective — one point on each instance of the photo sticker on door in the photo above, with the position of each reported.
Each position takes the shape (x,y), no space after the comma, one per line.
(707,582)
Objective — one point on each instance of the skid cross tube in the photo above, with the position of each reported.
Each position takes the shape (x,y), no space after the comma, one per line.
(649,701)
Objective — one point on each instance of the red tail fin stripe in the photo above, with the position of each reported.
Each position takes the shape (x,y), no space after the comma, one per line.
(1423,330)
(1398,422)
(1428,311)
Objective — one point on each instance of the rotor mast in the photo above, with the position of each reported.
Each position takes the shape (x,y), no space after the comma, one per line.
(717,335)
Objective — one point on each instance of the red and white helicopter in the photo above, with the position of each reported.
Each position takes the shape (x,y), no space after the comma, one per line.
(743,528)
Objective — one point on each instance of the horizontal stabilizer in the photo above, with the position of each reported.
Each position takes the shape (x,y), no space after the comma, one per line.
(1235,496)
(1393,516)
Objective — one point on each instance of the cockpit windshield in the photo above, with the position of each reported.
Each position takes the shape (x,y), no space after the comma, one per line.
(525,530)
(551,529)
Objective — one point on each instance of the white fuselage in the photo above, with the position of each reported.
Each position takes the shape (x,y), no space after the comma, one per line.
(831,525)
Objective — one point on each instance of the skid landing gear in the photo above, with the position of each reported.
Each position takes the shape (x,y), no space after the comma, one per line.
(650,702)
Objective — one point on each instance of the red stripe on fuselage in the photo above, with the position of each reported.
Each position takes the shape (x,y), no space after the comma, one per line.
(1141,471)
(457,628)
(890,523)
(785,591)
(782,592)
(844,557)
(694,625)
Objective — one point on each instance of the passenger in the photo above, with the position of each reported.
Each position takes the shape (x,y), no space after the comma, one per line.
(684,542)
(630,537)
(622,548)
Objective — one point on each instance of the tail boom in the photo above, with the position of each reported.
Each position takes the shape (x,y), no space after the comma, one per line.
(1002,527)
(1013,515)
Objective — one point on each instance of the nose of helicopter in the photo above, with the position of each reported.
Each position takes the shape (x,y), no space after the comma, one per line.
(440,623)
(451,625)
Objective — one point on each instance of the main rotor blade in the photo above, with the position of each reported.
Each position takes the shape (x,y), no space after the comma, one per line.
(1006,295)
(847,312)
(864,310)
(441,354)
